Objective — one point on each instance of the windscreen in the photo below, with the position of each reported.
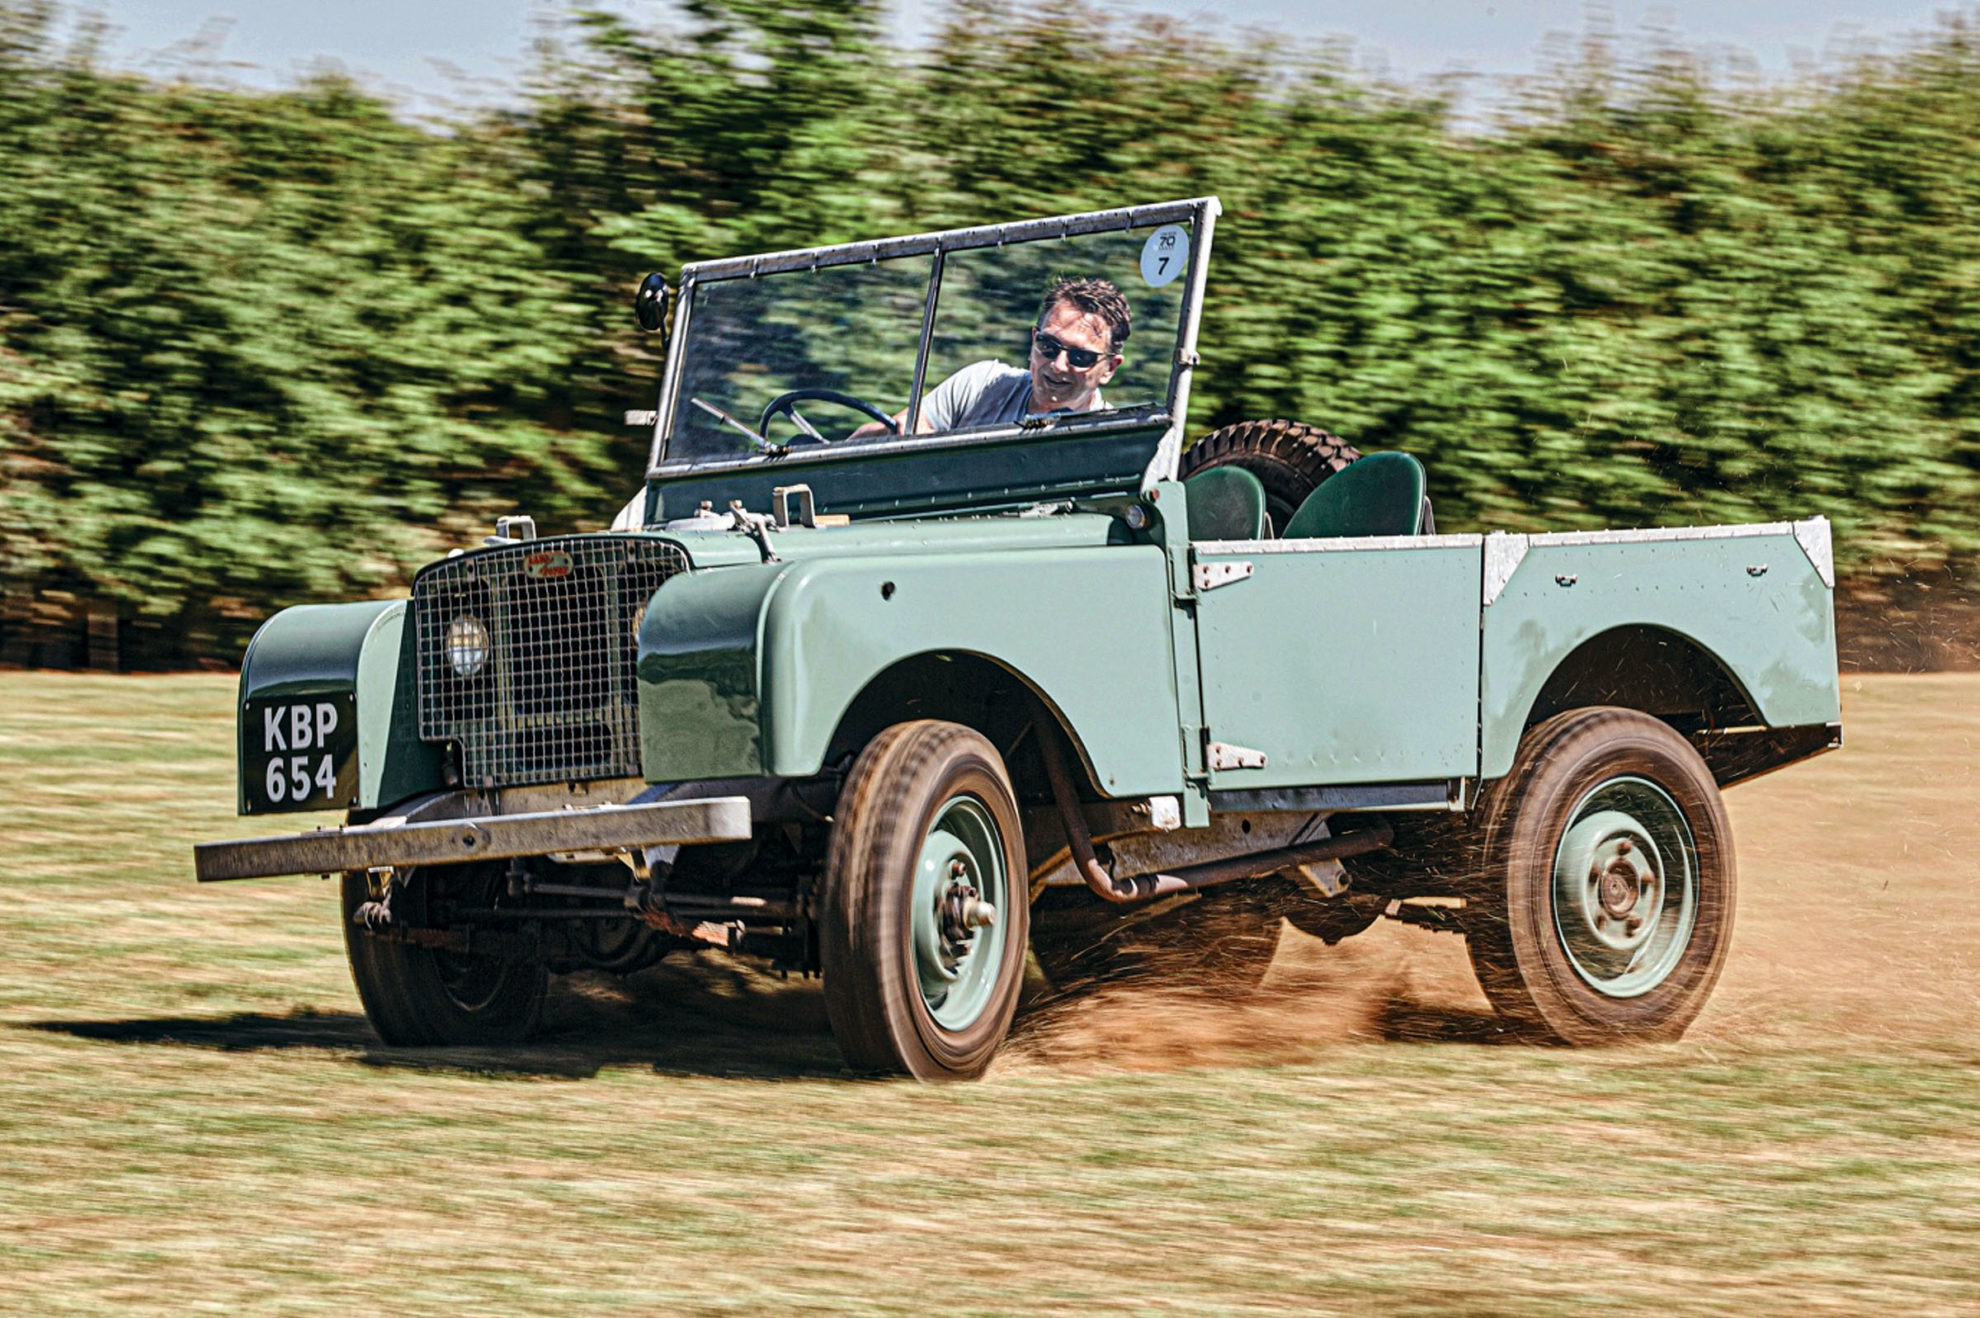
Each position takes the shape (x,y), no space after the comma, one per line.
(851,329)
(1076,327)
(1062,326)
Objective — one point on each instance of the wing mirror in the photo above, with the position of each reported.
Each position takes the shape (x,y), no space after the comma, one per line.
(650,302)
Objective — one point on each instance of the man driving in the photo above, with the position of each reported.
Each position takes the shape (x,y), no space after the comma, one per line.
(1075,348)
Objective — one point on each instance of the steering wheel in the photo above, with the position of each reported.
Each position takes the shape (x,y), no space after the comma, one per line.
(787,403)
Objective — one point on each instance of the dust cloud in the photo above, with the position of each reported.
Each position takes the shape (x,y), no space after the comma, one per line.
(1857,874)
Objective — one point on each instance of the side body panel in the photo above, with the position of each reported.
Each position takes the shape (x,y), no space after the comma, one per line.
(362,651)
(749,670)
(1751,597)
(1344,661)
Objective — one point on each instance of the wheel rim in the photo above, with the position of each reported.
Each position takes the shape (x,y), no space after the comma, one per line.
(472,983)
(961,895)
(1625,887)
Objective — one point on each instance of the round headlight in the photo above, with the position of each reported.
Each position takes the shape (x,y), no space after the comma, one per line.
(467,644)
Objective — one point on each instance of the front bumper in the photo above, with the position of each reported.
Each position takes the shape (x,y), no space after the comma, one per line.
(399,842)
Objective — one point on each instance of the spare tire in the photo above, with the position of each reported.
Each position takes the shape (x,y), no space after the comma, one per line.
(1289,458)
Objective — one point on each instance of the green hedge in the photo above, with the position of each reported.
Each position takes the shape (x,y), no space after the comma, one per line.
(257,349)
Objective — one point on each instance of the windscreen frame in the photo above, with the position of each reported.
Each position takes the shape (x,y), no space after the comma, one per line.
(1200,213)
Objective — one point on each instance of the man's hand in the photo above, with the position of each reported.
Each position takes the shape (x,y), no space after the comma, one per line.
(872,428)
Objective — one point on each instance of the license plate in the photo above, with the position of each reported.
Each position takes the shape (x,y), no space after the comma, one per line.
(299,753)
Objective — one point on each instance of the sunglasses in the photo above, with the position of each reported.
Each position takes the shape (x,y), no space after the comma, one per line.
(1080,359)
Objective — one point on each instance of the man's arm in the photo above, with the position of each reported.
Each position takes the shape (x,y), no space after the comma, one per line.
(942,404)
(921,426)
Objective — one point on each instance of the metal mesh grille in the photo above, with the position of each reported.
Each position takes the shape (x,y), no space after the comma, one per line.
(554,697)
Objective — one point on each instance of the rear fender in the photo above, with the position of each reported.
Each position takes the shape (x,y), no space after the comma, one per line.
(1749,600)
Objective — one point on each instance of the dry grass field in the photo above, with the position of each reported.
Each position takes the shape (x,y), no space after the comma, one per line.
(193,1115)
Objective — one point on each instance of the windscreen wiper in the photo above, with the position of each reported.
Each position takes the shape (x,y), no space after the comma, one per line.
(762,441)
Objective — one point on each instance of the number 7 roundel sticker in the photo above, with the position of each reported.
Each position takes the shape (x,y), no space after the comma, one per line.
(1165,255)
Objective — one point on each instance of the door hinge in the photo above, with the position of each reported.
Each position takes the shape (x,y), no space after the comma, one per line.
(1222,755)
(1209,576)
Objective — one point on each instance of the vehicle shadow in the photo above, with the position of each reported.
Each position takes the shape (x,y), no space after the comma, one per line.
(713,1017)
(247,1031)
(698,1017)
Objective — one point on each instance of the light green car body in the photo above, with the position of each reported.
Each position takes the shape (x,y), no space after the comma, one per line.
(1346,663)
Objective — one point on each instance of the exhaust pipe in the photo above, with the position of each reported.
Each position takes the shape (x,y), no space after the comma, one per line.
(1142,887)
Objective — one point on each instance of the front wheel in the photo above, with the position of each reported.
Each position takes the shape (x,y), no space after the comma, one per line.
(923,915)
(418,996)
(1605,910)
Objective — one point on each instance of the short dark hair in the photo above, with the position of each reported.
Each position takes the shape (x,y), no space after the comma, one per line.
(1096,297)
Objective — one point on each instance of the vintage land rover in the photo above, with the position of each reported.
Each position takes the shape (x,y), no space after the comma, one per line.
(896,700)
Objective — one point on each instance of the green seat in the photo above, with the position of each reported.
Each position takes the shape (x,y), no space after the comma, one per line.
(1376,494)
(1225,503)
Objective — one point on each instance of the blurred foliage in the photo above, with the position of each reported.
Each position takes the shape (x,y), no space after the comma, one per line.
(253,349)
(258,349)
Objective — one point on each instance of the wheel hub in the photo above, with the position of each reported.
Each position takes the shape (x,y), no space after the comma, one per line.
(1623,887)
(963,912)
(958,939)
(1618,884)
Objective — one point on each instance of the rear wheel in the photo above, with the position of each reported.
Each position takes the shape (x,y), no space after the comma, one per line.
(1605,910)
(423,996)
(1289,458)
(923,922)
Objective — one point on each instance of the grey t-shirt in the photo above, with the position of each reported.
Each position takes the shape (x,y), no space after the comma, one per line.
(985,393)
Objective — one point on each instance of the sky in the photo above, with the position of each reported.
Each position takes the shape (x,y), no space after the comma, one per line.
(429,51)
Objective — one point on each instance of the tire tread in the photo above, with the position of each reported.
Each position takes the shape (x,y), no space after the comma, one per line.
(876,833)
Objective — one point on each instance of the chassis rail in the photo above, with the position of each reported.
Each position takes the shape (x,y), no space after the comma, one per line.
(395,842)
